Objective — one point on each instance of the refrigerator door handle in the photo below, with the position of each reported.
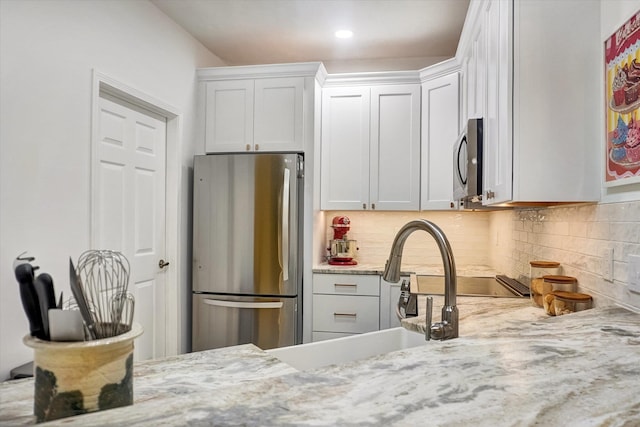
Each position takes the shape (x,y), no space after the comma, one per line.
(285,226)
(239,304)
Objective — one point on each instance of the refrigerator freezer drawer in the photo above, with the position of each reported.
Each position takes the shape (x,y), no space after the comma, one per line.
(343,313)
(222,321)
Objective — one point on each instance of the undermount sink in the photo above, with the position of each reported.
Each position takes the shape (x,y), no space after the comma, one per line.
(347,349)
(467,286)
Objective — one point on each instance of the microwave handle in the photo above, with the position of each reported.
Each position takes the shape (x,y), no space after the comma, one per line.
(458,171)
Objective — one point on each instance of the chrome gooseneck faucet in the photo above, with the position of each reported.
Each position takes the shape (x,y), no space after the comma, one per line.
(447,328)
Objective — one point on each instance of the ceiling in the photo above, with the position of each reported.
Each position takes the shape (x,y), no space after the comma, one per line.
(388,34)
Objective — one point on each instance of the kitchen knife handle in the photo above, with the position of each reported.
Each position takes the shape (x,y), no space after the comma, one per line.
(29,298)
(46,299)
(31,308)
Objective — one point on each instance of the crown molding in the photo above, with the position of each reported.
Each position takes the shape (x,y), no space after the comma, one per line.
(372,78)
(298,69)
(440,69)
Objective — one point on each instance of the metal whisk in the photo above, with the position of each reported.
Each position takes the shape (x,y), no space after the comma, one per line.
(104,277)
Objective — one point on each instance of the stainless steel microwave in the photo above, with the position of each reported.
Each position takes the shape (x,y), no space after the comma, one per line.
(467,166)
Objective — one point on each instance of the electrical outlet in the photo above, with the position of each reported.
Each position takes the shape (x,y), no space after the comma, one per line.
(607,264)
(634,273)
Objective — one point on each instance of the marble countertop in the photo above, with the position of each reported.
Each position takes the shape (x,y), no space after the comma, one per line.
(512,365)
(407,269)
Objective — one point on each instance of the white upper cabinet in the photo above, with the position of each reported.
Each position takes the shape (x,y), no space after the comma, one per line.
(498,148)
(370,149)
(254,115)
(266,108)
(475,62)
(344,182)
(532,71)
(440,129)
(395,147)
(229,116)
(278,114)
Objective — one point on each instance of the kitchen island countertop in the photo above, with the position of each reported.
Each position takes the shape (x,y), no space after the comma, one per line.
(512,365)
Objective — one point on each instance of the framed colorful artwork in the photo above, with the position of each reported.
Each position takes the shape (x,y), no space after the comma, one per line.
(622,83)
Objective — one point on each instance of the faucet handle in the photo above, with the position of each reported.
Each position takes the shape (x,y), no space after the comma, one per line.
(427,331)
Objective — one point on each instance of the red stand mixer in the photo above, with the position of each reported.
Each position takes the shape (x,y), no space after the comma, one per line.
(341,250)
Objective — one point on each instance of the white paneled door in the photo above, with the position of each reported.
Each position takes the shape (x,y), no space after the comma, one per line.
(128,208)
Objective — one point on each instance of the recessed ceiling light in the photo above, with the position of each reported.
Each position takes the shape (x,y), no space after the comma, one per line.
(344,34)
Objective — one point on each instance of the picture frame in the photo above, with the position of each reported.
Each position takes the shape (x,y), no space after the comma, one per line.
(622,104)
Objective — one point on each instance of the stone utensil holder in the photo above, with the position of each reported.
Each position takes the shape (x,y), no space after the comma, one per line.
(73,378)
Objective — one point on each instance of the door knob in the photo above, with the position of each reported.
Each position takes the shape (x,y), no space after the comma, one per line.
(162,263)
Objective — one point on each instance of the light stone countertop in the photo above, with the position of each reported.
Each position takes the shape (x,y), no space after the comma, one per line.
(512,365)
(407,269)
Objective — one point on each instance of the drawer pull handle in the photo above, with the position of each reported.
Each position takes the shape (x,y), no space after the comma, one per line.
(346,314)
(351,285)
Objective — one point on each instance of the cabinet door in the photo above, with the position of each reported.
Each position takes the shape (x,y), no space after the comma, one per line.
(278,114)
(498,146)
(476,72)
(229,116)
(344,183)
(395,148)
(440,110)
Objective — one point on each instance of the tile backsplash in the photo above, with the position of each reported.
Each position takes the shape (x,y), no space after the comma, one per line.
(577,236)
(467,233)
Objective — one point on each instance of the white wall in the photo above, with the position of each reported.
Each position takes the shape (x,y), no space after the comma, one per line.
(48,50)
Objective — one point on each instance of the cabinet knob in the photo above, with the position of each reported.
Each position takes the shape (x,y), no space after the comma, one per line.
(248,147)
(364,206)
(257,147)
(373,206)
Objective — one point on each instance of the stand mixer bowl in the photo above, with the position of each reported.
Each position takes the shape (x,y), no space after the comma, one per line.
(343,249)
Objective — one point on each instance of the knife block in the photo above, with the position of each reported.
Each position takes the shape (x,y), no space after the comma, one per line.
(73,378)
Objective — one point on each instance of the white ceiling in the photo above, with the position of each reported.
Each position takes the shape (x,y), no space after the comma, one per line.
(388,34)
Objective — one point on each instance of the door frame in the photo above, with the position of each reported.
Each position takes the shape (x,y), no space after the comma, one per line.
(102,83)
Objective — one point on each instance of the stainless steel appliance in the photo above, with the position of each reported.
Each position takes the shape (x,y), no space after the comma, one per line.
(247,250)
(467,166)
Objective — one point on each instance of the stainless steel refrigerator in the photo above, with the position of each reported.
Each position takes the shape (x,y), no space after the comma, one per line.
(247,250)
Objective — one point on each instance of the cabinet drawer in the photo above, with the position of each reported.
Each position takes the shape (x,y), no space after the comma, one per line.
(346,284)
(344,313)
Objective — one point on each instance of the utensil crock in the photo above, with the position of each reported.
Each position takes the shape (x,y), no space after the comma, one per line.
(73,378)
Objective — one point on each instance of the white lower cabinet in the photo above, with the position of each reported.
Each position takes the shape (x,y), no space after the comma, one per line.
(347,314)
(345,304)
